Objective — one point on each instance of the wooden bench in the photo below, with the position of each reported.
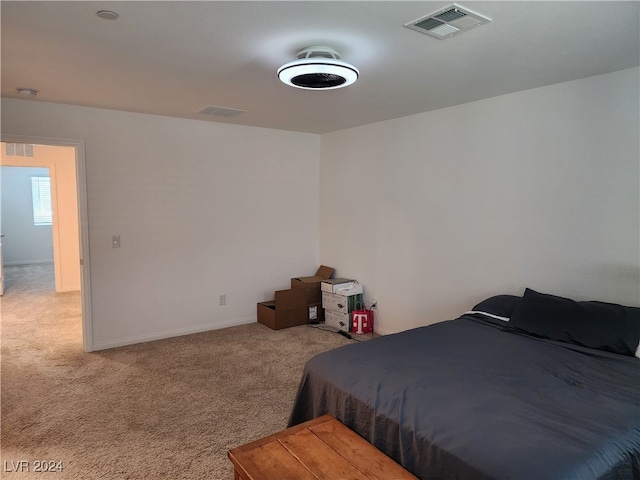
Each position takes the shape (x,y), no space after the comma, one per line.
(320,449)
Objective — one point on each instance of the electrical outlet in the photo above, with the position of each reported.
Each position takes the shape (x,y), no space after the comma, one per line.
(222,300)
(374,303)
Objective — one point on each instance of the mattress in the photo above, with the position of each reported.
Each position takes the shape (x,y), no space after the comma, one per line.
(470,398)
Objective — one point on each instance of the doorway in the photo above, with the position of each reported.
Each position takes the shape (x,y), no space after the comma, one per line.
(64,160)
(54,194)
(27,221)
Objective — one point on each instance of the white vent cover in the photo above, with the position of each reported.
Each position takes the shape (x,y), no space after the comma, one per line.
(220,111)
(447,22)
(19,149)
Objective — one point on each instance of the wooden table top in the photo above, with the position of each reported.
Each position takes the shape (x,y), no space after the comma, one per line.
(320,449)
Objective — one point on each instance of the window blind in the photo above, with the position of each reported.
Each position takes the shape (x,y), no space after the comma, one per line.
(41,195)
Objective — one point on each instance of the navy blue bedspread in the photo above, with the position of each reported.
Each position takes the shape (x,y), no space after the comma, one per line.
(465,399)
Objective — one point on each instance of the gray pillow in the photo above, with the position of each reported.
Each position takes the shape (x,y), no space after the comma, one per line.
(603,326)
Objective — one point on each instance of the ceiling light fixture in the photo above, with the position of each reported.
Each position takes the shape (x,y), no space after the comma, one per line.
(107,15)
(318,68)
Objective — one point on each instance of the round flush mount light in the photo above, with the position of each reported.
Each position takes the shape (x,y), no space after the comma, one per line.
(318,68)
(27,92)
(107,15)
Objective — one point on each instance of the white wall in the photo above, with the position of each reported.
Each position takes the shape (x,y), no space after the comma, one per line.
(540,189)
(202,209)
(24,243)
(431,212)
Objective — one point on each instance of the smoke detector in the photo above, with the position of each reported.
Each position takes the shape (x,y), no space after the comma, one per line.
(448,21)
(27,92)
(107,15)
(318,68)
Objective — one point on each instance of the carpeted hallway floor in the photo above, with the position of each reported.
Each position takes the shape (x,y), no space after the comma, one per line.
(159,410)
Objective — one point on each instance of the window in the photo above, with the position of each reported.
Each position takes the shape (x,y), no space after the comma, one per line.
(41,195)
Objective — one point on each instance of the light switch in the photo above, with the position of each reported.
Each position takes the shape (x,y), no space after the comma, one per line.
(115,241)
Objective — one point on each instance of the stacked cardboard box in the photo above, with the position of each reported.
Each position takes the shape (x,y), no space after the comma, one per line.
(311,287)
(340,297)
(299,305)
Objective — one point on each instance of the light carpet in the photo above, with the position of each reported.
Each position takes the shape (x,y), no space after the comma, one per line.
(169,409)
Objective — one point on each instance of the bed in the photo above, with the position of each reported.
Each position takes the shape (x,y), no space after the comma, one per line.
(532,387)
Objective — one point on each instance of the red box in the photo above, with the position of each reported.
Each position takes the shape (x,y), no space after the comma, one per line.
(362,321)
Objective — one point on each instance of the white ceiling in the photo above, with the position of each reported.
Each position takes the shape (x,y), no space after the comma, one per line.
(175,57)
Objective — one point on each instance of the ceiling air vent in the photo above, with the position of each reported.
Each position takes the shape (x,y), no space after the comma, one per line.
(220,111)
(447,22)
(19,149)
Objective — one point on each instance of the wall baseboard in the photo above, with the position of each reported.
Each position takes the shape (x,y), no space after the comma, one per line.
(27,262)
(382,331)
(173,333)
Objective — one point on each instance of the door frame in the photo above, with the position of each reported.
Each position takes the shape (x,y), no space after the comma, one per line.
(83,223)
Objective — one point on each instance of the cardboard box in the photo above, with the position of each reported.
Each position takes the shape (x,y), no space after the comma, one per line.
(289,309)
(311,285)
(331,284)
(339,320)
(341,303)
(341,286)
